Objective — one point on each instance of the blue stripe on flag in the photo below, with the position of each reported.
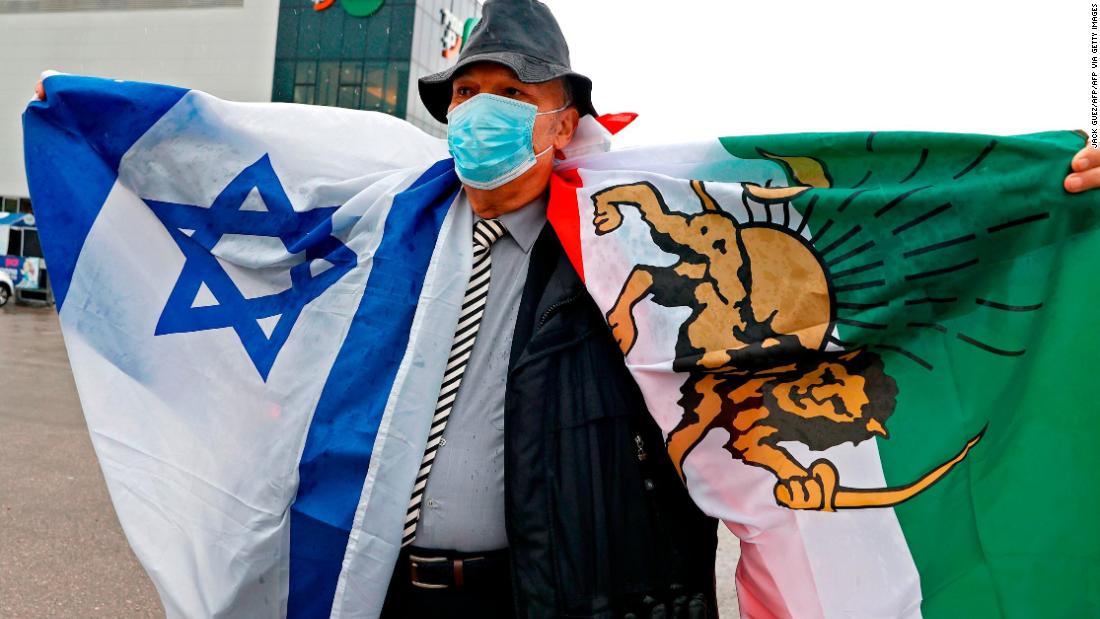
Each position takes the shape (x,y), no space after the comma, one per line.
(341,436)
(82,129)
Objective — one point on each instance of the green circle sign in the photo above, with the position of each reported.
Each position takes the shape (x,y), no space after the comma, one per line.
(361,8)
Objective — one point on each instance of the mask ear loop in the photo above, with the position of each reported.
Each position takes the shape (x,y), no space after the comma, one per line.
(560,109)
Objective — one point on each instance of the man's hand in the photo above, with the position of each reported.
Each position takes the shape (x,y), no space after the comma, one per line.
(1086,171)
(39,89)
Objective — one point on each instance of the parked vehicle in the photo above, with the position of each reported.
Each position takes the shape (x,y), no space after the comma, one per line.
(21,259)
(7,288)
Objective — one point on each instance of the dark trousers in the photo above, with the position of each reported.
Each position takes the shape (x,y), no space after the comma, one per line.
(483,593)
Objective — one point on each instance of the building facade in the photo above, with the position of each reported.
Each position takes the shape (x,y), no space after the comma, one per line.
(372,62)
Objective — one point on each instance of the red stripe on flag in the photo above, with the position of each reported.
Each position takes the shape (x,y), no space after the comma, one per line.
(565,215)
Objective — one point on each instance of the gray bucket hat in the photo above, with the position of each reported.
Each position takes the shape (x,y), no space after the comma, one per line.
(521,35)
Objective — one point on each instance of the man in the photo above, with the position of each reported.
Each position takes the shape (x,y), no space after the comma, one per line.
(548,491)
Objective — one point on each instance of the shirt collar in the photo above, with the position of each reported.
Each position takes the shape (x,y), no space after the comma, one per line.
(525,223)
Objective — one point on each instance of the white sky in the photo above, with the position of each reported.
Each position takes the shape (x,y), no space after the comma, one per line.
(697,69)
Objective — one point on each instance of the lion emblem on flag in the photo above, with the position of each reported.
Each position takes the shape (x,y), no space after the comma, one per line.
(754,347)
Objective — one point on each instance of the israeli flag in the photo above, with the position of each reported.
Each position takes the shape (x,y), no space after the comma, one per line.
(257,302)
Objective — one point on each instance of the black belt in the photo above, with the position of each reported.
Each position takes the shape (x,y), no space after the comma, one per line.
(449,569)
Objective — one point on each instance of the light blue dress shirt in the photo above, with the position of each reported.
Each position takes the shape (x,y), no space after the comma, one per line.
(463,506)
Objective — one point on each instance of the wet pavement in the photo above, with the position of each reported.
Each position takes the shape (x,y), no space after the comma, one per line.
(729,551)
(62,552)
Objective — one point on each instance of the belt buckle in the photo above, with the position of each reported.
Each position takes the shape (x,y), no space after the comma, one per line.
(413,559)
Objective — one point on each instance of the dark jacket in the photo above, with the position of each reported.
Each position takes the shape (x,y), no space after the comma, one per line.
(599,524)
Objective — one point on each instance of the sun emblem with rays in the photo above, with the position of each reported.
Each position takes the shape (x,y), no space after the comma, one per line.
(759,348)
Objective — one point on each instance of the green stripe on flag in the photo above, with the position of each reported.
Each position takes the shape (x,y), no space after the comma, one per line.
(962,262)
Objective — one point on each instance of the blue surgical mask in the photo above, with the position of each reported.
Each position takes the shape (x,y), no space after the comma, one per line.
(490,138)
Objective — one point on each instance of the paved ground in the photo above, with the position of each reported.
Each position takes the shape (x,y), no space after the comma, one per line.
(62,553)
(729,551)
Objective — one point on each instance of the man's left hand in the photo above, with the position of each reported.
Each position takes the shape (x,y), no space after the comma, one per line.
(1086,171)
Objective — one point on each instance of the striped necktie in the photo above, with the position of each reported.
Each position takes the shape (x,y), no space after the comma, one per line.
(486,232)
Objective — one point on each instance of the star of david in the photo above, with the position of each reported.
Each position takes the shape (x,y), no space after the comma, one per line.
(264,322)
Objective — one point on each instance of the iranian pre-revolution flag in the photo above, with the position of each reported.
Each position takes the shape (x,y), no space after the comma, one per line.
(874,356)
